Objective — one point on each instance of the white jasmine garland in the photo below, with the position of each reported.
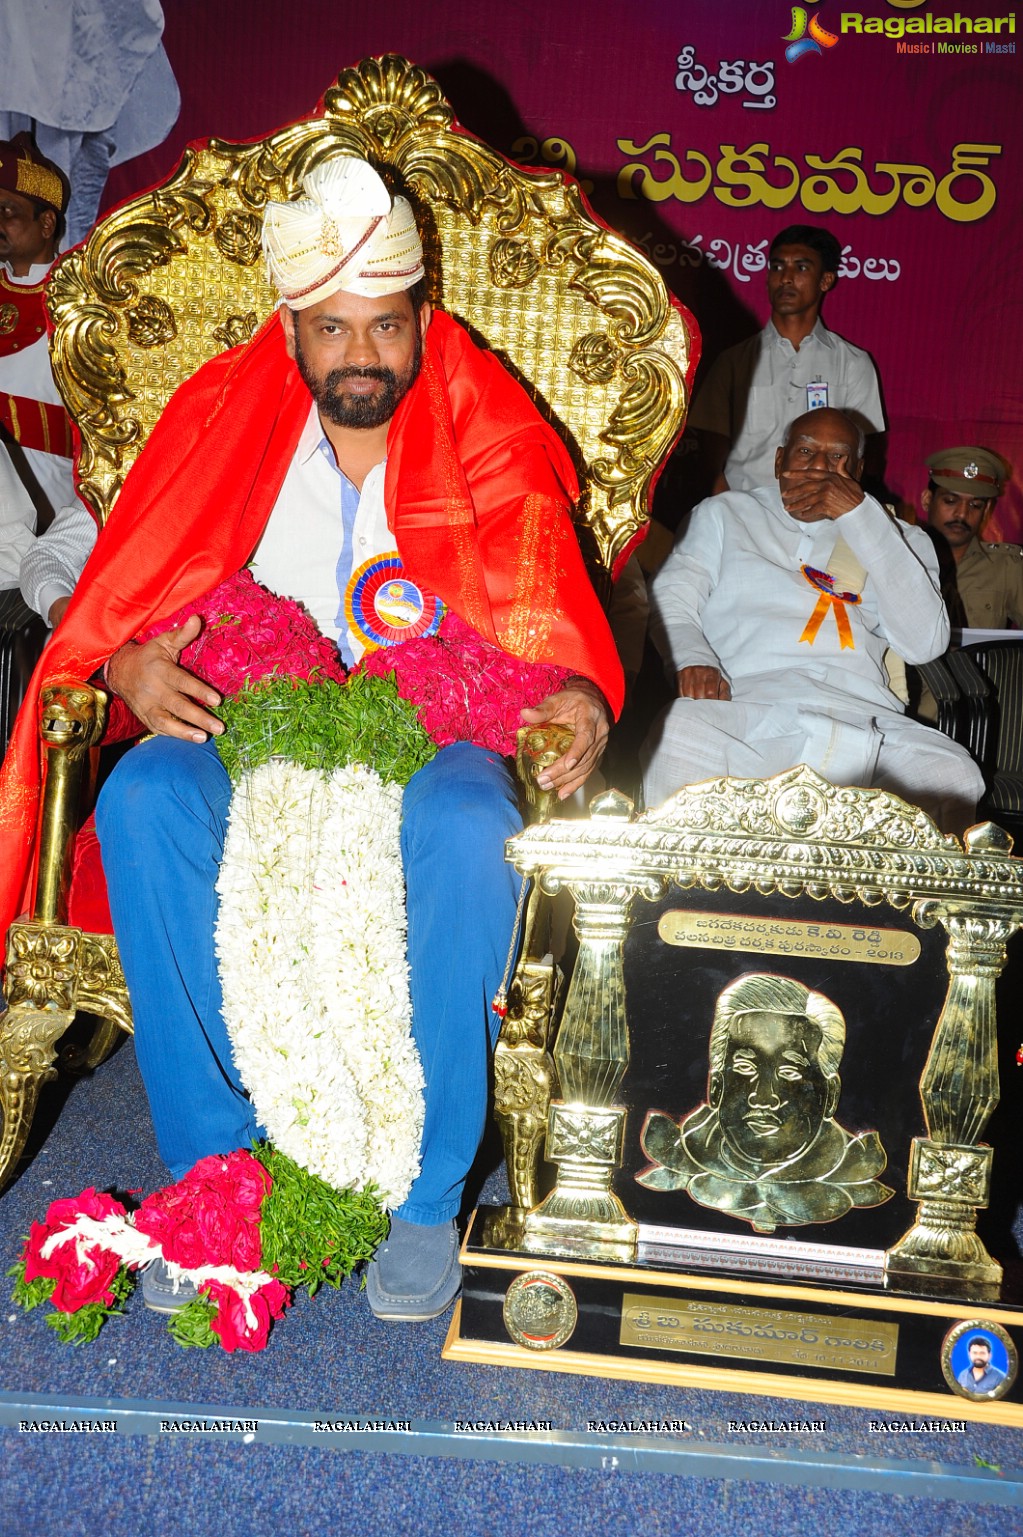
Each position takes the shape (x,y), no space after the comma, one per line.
(311,944)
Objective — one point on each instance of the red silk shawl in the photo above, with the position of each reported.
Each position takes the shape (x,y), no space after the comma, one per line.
(478,490)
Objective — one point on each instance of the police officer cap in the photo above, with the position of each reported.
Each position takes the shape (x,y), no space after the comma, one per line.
(969,471)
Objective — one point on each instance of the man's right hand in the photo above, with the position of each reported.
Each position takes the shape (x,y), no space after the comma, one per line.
(702,683)
(164,697)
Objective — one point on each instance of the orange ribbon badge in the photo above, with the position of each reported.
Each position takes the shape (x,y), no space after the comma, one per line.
(824,583)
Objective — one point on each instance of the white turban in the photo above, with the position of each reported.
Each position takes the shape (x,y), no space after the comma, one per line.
(345,234)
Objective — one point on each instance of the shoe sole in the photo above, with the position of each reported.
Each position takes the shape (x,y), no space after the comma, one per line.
(166,1307)
(412,1318)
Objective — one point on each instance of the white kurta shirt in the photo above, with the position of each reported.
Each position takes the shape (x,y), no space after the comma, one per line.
(732,595)
(757,388)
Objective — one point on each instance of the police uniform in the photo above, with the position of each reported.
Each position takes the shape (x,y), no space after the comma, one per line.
(990,582)
(988,577)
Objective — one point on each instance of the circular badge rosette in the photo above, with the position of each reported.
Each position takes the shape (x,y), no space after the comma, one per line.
(825,583)
(385,606)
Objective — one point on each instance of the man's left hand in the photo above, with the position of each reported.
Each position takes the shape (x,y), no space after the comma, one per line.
(810,496)
(581,707)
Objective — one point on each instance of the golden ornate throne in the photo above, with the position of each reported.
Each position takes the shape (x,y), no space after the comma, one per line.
(175,276)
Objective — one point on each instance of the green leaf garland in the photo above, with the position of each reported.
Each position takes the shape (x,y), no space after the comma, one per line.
(322,725)
(310,1232)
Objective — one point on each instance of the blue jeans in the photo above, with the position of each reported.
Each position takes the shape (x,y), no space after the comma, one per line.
(161,820)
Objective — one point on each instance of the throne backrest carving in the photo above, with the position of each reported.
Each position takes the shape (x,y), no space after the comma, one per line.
(176,276)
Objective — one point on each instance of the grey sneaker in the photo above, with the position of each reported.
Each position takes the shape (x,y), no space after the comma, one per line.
(415,1274)
(161,1292)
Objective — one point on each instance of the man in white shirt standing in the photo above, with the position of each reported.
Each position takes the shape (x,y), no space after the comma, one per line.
(776,610)
(46,534)
(794,364)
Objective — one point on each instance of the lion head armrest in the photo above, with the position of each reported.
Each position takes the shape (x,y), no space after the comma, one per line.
(71,721)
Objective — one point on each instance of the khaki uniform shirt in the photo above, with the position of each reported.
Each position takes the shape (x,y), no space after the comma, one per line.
(990,582)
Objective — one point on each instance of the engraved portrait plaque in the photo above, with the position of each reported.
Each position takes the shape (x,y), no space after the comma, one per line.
(540,1311)
(696,1155)
(765,1145)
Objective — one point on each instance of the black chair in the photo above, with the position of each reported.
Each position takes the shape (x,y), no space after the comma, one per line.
(22,637)
(961,704)
(991,675)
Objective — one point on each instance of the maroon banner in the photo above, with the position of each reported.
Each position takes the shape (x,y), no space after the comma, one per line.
(700,129)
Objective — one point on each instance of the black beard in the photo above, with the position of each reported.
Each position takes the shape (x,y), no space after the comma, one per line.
(359,410)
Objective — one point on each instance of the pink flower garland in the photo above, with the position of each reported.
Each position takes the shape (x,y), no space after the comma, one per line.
(211,1217)
(463,688)
(249,633)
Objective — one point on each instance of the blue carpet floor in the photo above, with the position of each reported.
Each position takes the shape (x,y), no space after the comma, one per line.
(331,1360)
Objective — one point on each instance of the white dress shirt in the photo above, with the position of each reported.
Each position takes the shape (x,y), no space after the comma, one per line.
(298,554)
(754,390)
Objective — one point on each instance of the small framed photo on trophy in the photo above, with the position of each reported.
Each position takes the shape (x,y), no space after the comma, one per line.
(979,1359)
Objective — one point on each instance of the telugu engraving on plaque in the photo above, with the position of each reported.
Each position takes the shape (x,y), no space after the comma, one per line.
(810,1340)
(788,936)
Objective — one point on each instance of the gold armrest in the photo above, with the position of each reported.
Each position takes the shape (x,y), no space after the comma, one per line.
(538,748)
(71,721)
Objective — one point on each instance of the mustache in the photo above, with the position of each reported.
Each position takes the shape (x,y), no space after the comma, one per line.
(340,375)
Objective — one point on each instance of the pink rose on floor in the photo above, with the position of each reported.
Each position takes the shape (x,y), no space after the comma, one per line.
(90,1203)
(232,1324)
(164,1212)
(78,1281)
(229,1237)
(239,1177)
(83,1280)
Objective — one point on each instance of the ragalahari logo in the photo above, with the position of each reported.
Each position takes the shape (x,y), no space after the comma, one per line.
(807,35)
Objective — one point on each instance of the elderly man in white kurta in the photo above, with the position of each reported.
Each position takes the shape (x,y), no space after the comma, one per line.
(776,610)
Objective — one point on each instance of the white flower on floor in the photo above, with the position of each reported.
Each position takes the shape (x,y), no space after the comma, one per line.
(311,944)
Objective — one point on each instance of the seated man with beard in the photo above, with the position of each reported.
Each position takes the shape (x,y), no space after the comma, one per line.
(356,425)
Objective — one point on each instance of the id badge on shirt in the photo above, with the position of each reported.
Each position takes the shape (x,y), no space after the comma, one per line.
(817,395)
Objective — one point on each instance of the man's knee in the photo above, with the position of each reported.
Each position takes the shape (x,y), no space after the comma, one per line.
(466,795)
(935,773)
(157,782)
